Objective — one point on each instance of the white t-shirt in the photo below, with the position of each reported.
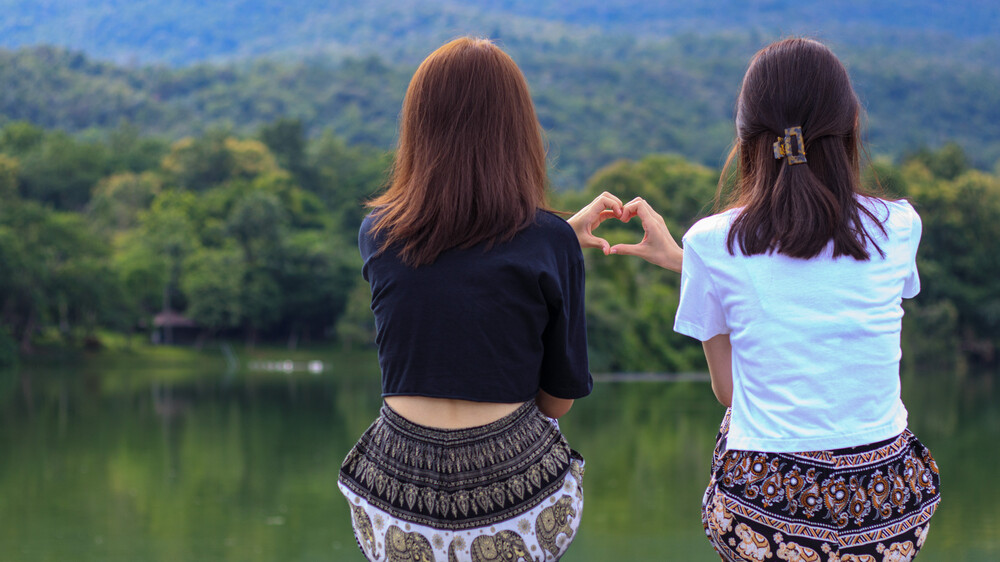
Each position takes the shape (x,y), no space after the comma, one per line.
(815,342)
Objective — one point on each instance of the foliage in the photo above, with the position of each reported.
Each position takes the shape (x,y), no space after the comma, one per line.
(8,350)
(631,304)
(257,237)
(958,256)
(189,31)
(212,227)
(56,272)
(600,98)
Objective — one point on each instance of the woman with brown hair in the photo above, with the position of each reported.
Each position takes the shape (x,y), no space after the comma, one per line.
(795,291)
(478,293)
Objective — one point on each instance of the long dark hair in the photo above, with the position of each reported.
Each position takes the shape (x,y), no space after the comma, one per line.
(470,166)
(796,209)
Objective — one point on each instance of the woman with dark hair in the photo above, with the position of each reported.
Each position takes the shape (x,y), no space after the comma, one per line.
(477,292)
(795,291)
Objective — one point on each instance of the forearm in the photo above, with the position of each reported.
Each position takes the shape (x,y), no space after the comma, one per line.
(551,406)
(719,353)
(672,260)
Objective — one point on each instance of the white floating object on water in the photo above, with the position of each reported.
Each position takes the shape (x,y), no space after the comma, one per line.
(315,367)
(288,366)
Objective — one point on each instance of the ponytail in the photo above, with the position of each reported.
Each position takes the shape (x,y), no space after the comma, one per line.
(798,193)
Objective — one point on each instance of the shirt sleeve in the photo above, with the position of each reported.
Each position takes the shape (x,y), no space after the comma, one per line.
(911,285)
(565,369)
(699,312)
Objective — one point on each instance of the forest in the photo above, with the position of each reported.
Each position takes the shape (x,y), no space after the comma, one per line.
(617,97)
(211,160)
(254,238)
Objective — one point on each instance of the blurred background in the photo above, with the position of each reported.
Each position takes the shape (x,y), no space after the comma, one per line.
(186,348)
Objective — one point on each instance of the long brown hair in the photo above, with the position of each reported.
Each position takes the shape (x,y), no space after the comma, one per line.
(470,166)
(796,209)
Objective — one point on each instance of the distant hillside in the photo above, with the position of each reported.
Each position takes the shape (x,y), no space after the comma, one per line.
(186,31)
(600,98)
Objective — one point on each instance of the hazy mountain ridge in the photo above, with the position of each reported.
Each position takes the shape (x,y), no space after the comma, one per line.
(607,81)
(186,31)
(675,97)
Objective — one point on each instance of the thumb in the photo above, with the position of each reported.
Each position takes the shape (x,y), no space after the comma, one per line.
(591,241)
(629,250)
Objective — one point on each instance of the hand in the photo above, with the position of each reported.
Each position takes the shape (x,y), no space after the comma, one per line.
(602,208)
(657,246)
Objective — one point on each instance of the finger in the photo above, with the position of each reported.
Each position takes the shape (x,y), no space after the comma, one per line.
(641,208)
(603,213)
(607,214)
(631,209)
(612,197)
(640,250)
(607,201)
(591,241)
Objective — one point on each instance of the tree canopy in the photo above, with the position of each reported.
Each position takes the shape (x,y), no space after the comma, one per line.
(255,237)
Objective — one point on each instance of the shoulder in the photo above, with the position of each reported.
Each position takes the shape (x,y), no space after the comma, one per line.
(711,231)
(368,242)
(898,217)
(553,228)
(887,207)
(549,222)
(903,211)
(548,237)
(367,223)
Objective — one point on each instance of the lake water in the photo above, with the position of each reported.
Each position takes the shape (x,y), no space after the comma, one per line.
(178,461)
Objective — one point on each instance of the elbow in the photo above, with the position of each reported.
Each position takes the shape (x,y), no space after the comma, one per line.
(551,406)
(723,395)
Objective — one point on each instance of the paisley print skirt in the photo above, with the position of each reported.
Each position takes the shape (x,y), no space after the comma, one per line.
(510,490)
(871,503)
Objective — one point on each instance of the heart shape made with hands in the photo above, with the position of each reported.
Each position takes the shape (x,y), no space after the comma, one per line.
(629,212)
(657,245)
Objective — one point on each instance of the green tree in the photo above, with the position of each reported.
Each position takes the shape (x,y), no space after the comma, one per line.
(61,171)
(119,199)
(143,273)
(167,232)
(55,270)
(9,168)
(286,139)
(347,176)
(947,163)
(958,256)
(201,163)
(212,281)
(133,152)
(20,137)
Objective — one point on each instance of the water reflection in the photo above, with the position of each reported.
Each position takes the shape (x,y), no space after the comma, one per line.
(167,462)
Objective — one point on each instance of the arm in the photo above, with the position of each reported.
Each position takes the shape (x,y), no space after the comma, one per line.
(602,208)
(551,406)
(564,373)
(657,246)
(719,353)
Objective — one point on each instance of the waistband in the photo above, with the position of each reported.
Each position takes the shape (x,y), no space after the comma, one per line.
(442,436)
(458,478)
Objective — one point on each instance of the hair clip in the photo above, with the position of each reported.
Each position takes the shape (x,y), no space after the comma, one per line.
(783,146)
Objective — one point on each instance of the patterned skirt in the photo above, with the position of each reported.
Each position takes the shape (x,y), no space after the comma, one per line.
(510,490)
(871,503)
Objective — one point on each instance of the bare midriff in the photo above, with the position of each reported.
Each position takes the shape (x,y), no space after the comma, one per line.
(449,413)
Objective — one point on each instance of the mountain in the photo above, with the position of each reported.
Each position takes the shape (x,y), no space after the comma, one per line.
(181,32)
(611,80)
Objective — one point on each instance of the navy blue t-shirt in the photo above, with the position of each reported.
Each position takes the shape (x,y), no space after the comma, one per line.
(490,325)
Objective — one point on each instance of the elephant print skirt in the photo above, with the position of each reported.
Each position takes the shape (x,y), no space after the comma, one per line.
(871,503)
(510,490)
